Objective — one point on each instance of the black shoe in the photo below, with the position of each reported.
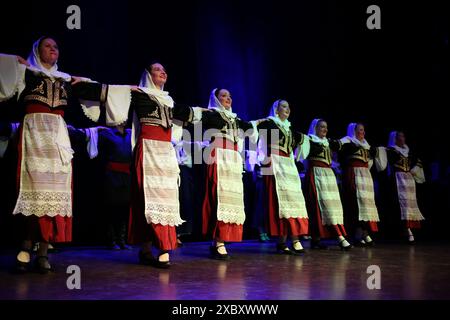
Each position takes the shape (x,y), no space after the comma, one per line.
(124,246)
(114,246)
(146,258)
(161,264)
(370,244)
(360,243)
(40,265)
(347,248)
(52,249)
(282,248)
(22,267)
(300,251)
(317,244)
(215,254)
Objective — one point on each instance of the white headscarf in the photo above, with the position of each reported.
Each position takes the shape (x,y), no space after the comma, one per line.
(146,84)
(351,135)
(36,66)
(215,104)
(274,116)
(314,137)
(403,150)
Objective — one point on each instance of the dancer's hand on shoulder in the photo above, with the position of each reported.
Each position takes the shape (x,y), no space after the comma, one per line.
(75,80)
(261,120)
(23,61)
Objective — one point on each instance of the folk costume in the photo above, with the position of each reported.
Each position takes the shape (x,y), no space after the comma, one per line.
(284,203)
(358,189)
(323,198)
(223,204)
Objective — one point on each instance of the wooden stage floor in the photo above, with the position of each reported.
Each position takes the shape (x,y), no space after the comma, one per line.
(255,272)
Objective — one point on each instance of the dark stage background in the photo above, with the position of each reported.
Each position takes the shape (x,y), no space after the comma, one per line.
(318,55)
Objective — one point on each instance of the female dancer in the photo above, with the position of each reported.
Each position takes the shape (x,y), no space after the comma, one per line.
(284,204)
(359,198)
(223,205)
(323,199)
(44,174)
(155,209)
(405,169)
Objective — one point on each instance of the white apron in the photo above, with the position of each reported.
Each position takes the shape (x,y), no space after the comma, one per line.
(46,168)
(291,202)
(330,204)
(406,189)
(161,176)
(230,189)
(365,195)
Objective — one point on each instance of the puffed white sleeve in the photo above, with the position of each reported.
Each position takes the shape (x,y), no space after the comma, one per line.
(117,100)
(253,137)
(12,76)
(381,159)
(418,174)
(197,117)
(301,152)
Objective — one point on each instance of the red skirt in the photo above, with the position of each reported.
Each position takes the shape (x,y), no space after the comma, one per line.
(123,167)
(351,209)
(139,230)
(413,224)
(46,228)
(219,230)
(312,204)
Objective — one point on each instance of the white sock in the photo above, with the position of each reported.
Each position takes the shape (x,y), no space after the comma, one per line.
(343,241)
(297,245)
(164,257)
(23,256)
(221,249)
(410,235)
(368,239)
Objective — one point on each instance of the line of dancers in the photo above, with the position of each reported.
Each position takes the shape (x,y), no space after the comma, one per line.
(44,175)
